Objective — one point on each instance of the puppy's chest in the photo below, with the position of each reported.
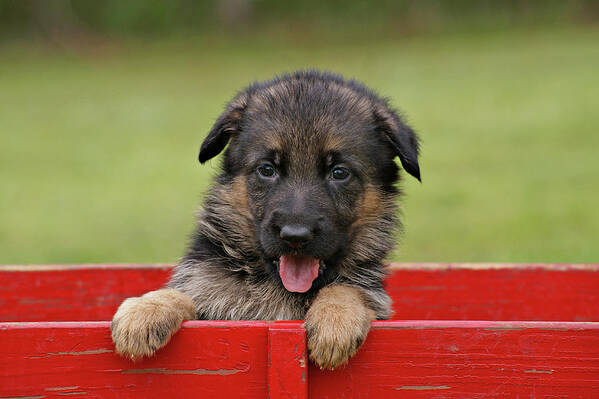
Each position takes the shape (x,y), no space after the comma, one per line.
(280,305)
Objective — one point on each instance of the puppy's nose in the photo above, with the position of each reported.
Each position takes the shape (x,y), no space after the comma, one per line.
(295,234)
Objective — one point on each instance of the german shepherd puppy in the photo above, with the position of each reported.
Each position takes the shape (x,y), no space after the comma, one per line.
(296,225)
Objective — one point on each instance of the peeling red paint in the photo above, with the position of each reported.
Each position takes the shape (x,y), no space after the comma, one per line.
(73,353)
(61,388)
(23,397)
(194,371)
(422,387)
(487,352)
(539,371)
(287,360)
(441,291)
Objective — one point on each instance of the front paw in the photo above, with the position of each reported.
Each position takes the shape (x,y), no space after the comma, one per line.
(336,325)
(144,324)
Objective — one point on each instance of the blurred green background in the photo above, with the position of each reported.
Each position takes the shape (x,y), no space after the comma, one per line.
(103,106)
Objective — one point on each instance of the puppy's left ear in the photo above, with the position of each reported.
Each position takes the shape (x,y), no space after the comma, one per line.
(401,137)
(227,125)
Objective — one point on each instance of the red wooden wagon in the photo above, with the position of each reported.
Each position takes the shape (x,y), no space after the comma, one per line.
(459,331)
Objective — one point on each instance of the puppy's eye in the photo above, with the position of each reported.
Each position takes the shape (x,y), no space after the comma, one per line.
(266,170)
(340,173)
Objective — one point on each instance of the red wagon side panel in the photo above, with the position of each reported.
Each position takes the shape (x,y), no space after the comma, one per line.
(432,359)
(557,292)
(287,361)
(419,291)
(51,360)
(416,359)
(73,293)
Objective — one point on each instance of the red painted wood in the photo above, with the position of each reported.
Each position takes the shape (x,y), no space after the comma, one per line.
(419,291)
(468,360)
(287,361)
(416,359)
(500,292)
(429,359)
(73,293)
(204,360)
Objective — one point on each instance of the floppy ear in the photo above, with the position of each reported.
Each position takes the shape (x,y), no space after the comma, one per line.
(228,124)
(401,137)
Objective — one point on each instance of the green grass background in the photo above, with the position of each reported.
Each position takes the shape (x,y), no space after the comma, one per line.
(98,147)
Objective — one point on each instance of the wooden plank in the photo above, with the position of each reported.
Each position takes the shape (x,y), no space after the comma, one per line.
(205,359)
(419,359)
(73,292)
(498,292)
(419,291)
(287,361)
(85,266)
(468,360)
(488,266)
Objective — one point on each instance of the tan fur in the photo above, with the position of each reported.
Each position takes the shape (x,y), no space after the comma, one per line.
(333,143)
(372,230)
(230,270)
(236,115)
(237,196)
(229,204)
(144,324)
(371,207)
(336,325)
(222,296)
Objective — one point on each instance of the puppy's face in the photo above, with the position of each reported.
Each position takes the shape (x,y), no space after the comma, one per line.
(317,158)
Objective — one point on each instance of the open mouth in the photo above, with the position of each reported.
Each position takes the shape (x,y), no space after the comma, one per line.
(298,272)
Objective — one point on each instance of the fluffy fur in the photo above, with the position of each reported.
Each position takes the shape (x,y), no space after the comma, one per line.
(304,126)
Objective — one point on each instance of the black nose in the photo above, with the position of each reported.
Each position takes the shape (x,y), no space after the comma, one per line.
(295,234)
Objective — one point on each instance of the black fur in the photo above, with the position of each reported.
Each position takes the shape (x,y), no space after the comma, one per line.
(288,123)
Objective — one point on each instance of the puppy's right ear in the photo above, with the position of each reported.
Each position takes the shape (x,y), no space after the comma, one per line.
(401,137)
(228,124)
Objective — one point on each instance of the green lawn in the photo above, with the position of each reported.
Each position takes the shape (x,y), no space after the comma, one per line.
(98,149)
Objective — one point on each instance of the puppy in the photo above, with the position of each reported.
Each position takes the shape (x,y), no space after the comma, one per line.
(298,222)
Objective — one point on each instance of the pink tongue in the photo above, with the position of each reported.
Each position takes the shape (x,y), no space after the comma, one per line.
(298,273)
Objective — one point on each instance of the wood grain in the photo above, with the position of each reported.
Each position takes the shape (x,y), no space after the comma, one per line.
(497,292)
(419,359)
(52,360)
(433,359)
(419,291)
(287,361)
(446,354)
(70,293)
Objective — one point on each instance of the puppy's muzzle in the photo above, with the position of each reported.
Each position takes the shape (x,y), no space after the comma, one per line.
(296,235)
(294,229)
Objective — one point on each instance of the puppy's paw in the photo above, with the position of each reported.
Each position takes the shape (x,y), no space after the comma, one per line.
(144,324)
(336,325)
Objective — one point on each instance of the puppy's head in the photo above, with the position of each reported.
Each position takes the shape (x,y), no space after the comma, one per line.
(316,156)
